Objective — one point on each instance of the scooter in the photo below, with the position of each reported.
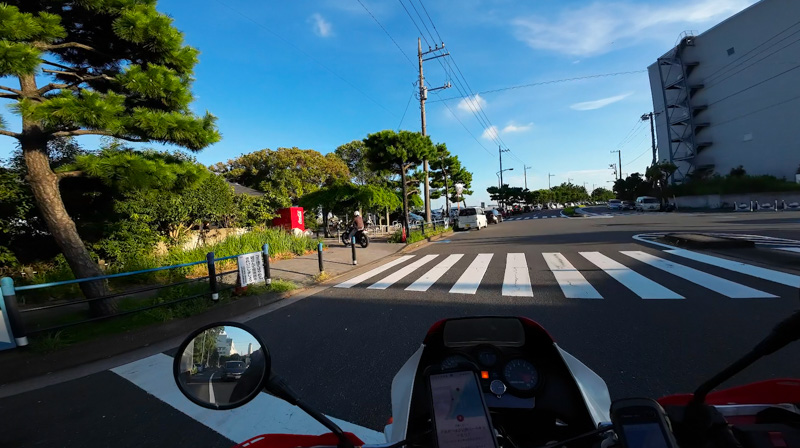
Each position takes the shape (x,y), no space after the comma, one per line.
(361,237)
(503,382)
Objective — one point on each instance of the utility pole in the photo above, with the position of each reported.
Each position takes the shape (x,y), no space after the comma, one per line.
(548,179)
(619,153)
(650,116)
(500,151)
(613,167)
(525,170)
(423,95)
(446,191)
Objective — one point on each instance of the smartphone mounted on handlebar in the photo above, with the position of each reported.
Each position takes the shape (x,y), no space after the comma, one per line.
(458,409)
(641,423)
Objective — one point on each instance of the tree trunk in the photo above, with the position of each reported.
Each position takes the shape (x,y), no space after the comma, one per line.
(44,185)
(405,200)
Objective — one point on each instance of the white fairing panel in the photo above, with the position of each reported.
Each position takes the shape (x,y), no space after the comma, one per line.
(402,385)
(593,388)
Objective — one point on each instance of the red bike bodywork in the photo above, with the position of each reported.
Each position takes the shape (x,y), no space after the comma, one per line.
(294,441)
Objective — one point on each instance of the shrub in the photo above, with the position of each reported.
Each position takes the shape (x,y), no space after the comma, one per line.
(734,184)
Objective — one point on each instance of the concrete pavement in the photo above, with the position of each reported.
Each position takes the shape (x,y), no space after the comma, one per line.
(340,347)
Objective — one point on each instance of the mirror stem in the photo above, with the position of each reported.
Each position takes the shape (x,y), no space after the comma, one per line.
(278,387)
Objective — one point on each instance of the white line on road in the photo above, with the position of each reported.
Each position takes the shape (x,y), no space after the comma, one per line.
(789,249)
(517,279)
(264,415)
(471,278)
(427,280)
(369,274)
(720,285)
(639,284)
(572,283)
(394,278)
(211,398)
(755,271)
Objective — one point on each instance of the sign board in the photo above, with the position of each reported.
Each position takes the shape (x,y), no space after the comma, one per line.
(251,268)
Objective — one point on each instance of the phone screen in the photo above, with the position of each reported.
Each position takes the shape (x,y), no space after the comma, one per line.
(641,435)
(460,417)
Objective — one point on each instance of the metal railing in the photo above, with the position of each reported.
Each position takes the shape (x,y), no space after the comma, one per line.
(19,325)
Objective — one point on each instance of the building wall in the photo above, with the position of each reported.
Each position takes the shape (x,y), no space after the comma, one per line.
(753,95)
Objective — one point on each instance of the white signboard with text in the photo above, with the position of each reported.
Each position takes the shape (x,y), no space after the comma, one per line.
(251,268)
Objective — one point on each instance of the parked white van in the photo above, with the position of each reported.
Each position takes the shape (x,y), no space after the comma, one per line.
(644,203)
(471,218)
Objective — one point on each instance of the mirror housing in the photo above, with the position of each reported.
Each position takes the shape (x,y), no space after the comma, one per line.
(211,371)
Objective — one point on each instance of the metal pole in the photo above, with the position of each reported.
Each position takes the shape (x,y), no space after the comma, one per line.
(353,245)
(265,255)
(14,318)
(319,255)
(653,136)
(212,276)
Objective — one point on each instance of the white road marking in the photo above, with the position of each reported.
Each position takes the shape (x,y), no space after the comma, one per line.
(369,274)
(471,278)
(517,279)
(427,280)
(395,277)
(789,249)
(264,415)
(720,285)
(572,283)
(211,397)
(639,284)
(755,271)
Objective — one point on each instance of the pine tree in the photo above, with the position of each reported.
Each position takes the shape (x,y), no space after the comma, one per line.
(115,68)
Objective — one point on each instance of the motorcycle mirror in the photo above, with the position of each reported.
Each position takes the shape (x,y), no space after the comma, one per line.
(222,366)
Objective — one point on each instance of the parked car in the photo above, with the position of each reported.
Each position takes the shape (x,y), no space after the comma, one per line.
(471,218)
(233,370)
(645,203)
(628,205)
(614,204)
(493,216)
(415,219)
(537,207)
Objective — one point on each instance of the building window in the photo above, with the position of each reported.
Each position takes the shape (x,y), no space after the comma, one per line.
(731,51)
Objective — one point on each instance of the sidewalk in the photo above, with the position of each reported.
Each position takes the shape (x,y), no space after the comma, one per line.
(337,260)
(76,360)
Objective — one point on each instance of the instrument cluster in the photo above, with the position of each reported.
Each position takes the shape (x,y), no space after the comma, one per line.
(519,375)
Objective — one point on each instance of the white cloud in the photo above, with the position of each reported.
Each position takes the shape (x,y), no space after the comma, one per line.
(597,104)
(603,26)
(322,27)
(490,133)
(472,103)
(511,127)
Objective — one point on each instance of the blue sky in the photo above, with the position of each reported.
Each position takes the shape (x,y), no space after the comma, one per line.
(316,74)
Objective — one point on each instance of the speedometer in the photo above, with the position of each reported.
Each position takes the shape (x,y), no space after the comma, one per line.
(521,375)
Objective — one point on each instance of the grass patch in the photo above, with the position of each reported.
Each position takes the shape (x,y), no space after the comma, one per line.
(417,235)
(48,343)
(277,286)
(322,277)
(570,211)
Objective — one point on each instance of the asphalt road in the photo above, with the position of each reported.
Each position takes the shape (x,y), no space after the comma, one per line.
(341,347)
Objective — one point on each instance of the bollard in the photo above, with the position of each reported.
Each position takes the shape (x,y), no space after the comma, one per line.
(422,228)
(265,255)
(751,206)
(776,205)
(14,318)
(319,255)
(434,225)
(212,276)
(353,245)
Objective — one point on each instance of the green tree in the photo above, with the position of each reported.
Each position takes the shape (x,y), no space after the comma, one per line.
(631,187)
(116,68)
(443,166)
(352,154)
(602,194)
(286,174)
(398,152)
(658,176)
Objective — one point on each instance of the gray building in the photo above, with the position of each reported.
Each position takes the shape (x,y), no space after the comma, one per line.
(731,95)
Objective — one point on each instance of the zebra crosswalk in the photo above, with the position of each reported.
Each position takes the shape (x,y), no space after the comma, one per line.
(523,218)
(521,276)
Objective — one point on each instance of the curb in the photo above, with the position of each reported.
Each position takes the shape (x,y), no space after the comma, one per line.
(420,244)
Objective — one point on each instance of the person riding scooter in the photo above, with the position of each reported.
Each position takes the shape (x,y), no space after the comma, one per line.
(356,226)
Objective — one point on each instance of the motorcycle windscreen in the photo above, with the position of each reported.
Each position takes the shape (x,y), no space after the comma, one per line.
(499,331)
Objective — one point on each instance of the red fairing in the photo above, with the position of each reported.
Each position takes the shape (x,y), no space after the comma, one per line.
(435,328)
(294,441)
(785,390)
(533,324)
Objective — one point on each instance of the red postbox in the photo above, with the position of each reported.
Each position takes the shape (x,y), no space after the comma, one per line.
(290,218)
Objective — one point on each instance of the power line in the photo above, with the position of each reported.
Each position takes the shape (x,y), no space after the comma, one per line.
(411,2)
(467,129)
(429,18)
(554,81)
(637,157)
(307,55)
(794,98)
(415,23)
(630,133)
(755,85)
(742,68)
(387,33)
(406,110)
